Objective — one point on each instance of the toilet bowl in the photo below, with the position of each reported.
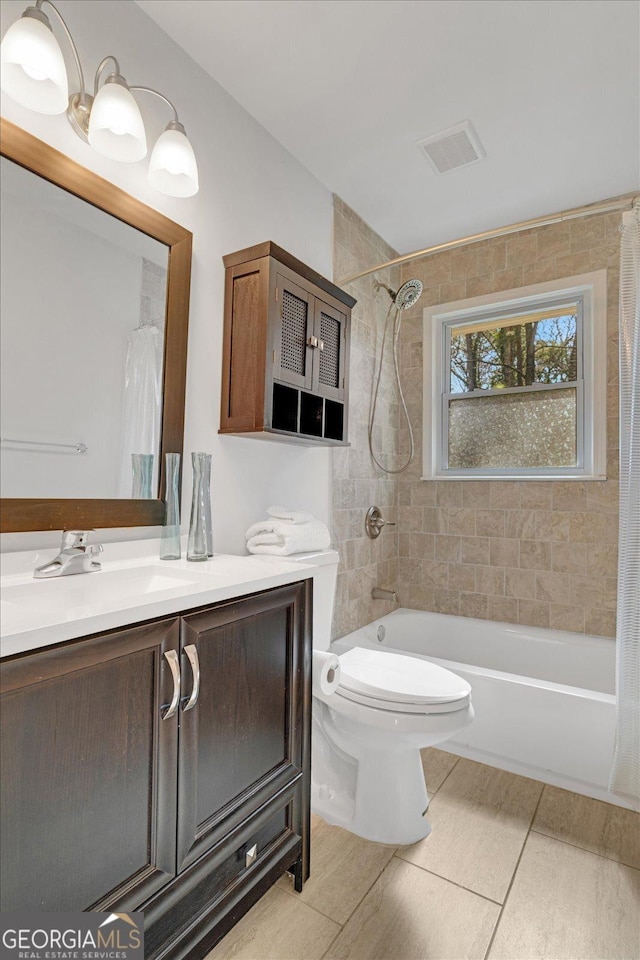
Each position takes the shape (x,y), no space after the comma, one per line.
(367,773)
(386,708)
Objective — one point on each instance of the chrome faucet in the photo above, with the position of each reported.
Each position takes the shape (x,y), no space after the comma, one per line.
(378,593)
(75,557)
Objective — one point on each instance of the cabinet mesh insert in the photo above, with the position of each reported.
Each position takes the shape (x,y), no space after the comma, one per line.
(330,356)
(293,347)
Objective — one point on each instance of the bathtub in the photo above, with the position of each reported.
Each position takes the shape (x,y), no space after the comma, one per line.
(544,700)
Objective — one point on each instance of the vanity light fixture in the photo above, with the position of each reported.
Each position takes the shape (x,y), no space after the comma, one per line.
(34,75)
(115,128)
(33,70)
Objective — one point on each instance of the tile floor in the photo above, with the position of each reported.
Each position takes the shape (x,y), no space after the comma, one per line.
(513,870)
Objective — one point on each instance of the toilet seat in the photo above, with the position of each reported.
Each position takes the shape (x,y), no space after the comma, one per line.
(399,684)
(402,707)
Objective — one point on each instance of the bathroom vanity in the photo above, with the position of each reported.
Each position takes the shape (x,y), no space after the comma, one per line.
(162,764)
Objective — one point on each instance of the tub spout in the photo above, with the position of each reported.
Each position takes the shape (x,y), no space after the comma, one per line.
(378,593)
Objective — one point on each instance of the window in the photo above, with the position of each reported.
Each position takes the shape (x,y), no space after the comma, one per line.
(515,383)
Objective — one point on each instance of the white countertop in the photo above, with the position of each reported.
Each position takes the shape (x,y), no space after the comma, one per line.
(133,585)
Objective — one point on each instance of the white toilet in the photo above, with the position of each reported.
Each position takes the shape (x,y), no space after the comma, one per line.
(367,735)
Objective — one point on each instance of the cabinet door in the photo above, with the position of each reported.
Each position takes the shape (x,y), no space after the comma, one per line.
(88,772)
(330,332)
(293,326)
(243,740)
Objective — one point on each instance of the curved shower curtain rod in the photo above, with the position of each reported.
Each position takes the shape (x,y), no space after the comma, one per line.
(606,206)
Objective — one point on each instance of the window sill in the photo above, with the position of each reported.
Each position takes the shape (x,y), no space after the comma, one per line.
(541,478)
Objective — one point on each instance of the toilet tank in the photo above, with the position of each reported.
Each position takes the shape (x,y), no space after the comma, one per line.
(324,593)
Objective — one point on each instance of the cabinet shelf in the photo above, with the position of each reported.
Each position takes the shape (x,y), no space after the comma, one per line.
(286,350)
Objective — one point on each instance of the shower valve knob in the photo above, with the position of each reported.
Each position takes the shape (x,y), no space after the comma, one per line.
(374,522)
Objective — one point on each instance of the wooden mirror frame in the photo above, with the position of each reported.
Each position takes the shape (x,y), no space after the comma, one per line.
(17,515)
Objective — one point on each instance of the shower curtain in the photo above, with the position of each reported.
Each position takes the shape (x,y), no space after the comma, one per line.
(142,408)
(625,772)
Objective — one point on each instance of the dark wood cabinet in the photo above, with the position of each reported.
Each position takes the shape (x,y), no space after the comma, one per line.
(286,349)
(182,789)
(242,743)
(88,773)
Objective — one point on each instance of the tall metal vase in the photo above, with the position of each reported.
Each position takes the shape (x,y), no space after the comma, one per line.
(170,540)
(200,544)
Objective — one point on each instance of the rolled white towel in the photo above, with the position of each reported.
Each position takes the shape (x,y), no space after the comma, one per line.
(290,516)
(282,538)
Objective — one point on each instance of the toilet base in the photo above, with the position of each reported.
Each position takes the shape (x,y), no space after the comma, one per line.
(379,795)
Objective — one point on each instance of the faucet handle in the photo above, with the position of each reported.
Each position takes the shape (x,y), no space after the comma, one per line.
(74,538)
(94,550)
(374,522)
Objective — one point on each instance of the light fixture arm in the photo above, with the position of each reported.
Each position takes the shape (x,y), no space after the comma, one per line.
(83,93)
(156,93)
(101,67)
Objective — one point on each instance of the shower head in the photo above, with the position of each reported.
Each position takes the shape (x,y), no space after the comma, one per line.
(405,297)
(408,294)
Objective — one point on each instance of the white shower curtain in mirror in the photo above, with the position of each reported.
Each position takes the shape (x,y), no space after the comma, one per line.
(142,409)
(625,773)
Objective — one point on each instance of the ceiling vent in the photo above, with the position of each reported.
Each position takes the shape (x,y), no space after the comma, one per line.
(451,148)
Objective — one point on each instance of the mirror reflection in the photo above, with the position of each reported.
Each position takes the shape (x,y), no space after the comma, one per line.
(83,302)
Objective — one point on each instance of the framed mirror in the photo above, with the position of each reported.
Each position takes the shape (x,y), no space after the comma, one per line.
(95,308)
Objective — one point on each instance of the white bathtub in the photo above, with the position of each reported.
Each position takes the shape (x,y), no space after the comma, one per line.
(544,700)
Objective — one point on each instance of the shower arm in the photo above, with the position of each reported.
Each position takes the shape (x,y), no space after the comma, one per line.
(392,293)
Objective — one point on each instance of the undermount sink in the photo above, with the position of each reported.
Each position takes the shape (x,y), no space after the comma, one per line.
(88,589)
(28,603)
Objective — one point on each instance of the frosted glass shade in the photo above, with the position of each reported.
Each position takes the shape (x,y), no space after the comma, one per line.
(172,167)
(116,129)
(33,71)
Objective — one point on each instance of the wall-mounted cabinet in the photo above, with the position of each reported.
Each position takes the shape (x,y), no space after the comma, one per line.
(286,350)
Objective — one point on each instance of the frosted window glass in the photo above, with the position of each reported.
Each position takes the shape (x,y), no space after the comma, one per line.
(517,430)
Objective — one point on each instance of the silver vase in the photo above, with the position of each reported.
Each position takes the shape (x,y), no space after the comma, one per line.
(142,480)
(200,544)
(170,540)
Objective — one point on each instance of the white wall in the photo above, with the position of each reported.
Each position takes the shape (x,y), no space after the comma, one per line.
(251,190)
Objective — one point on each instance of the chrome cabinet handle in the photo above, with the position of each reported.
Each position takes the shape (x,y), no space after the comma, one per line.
(252,855)
(192,653)
(174,665)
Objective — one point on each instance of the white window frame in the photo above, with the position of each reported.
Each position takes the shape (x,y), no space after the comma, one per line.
(590,289)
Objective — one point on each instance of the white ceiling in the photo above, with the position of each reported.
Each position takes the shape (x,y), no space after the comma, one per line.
(348,86)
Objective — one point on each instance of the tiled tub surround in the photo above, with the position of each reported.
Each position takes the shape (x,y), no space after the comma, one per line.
(356,481)
(536,553)
(512,870)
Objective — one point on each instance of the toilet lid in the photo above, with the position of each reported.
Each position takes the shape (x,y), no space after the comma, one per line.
(399,679)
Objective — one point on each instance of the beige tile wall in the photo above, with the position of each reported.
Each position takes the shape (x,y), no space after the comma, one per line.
(357,482)
(536,553)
